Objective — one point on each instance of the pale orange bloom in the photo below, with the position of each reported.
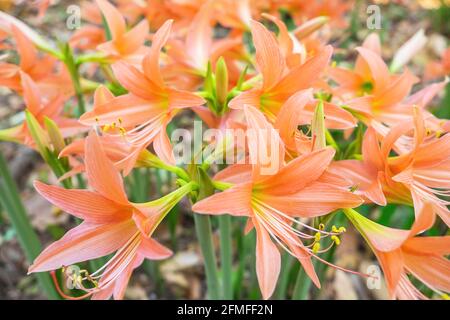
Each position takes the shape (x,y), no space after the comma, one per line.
(302,43)
(115,149)
(111,224)
(272,204)
(366,175)
(279,83)
(39,69)
(418,174)
(298,110)
(294,51)
(143,114)
(380,95)
(273,201)
(41,108)
(334,10)
(423,165)
(189,57)
(400,253)
(236,14)
(127,45)
(157,12)
(91,35)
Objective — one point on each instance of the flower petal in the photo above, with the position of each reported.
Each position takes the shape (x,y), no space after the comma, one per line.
(153,250)
(115,20)
(237,200)
(101,173)
(150,63)
(136,82)
(431,269)
(309,167)
(378,69)
(314,200)
(135,38)
(302,76)
(269,58)
(83,204)
(250,97)
(268,261)
(85,242)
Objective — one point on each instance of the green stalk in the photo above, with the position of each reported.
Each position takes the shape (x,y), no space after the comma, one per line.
(241,251)
(29,241)
(226,257)
(283,282)
(73,68)
(205,239)
(330,140)
(302,285)
(141,190)
(254,291)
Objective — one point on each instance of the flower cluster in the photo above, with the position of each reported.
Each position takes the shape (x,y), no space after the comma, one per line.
(337,136)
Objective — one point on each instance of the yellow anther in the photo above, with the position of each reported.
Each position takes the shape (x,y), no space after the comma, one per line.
(316,247)
(113,126)
(439,133)
(354,188)
(342,229)
(120,120)
(334,64)
(321,227)
(96,119)
(334,229)
(336,240)
(317,236)
(428,131)
(106,128)
(123,132)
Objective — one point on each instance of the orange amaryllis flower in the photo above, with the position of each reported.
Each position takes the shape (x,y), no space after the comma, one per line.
(365,175)
(38,68)
(235,14)
(278,82)
(124,45)
(292,44)
(423,165)
(333,10)
(145,111)
(91,35)
(189,57)
(41,109)
(380,94)
(400,252)
(111,224)
(272,204)
(299,110)
(360,80)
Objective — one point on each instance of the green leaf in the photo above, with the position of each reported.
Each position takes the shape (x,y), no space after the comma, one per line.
(29,241)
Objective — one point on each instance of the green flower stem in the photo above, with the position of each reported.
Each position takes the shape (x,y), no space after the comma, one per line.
(283,282)
(302,285)
(226,255)
(331,141)
(73,68)
(204,235)
(10,200)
